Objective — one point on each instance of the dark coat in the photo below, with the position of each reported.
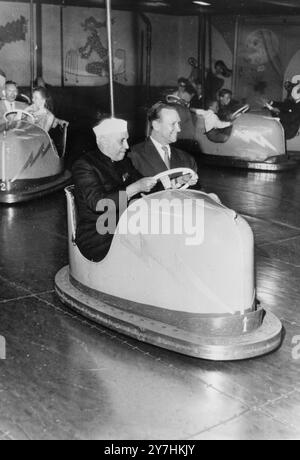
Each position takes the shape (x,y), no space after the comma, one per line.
(97,177)
(196,102)
(225,112)
(289,116)
(146,159)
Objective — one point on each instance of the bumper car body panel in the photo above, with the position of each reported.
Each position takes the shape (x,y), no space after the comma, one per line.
(197,299)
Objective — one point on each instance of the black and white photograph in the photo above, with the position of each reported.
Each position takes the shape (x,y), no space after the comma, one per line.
(149,223)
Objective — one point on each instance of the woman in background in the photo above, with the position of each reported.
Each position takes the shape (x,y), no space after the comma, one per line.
(40,109)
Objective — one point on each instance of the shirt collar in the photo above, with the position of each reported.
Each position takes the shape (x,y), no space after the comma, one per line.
(159,146)
(9,105)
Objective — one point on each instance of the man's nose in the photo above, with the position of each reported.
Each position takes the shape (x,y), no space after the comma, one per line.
(126,145)
(178,128)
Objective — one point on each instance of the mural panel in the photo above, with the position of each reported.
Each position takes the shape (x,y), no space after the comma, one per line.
(15,42)
(86,54)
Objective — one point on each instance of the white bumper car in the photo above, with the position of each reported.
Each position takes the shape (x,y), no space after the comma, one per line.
(189,289)
(31,162)
(255,141)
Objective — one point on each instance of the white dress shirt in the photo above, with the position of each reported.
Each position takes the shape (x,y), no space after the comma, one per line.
(10,106)
(160,149)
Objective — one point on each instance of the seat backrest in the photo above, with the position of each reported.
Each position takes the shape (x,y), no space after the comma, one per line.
(199,123)
(58,135)
(72,213)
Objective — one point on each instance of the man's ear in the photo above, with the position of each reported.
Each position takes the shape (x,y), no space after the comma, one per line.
(155,125)
(102,142)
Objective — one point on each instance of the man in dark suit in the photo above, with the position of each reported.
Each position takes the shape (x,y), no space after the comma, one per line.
(9,103)
(104,180)
(197,101)
(155,154)
(289,110)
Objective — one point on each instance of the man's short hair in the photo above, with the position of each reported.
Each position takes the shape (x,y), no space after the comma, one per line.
(198,81)
(11,82)
(182,81)
(156,109)
(224,91)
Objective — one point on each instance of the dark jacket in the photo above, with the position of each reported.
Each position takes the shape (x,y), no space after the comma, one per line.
(289,116)
(226,111)
(196,102)
(97,177)
(146,159)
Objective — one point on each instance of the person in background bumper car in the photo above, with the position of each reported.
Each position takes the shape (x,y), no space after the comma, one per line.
(197,101)
(9,103)
(40,109)
(215,129)
(227,105)
(288,111)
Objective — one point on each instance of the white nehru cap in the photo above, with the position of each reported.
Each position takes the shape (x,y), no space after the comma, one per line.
(110,126)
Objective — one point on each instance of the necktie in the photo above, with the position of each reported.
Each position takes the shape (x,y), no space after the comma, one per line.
(166,156)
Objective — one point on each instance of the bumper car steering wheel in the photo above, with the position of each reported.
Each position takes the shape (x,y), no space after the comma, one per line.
(240,111)
(172,99)
(20,113)
(165,179)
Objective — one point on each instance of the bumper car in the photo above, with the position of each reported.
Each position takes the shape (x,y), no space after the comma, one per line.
(189,291)
(32,162)
(254,142)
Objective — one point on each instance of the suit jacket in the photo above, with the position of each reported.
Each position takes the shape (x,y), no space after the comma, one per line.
(4,109)
(97,178)
(146,159)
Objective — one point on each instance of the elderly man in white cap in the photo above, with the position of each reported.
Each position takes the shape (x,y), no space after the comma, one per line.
(104,174)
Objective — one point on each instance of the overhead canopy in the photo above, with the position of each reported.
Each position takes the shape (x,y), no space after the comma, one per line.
(187,7)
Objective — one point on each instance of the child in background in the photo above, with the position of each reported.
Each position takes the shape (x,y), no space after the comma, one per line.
(211,119)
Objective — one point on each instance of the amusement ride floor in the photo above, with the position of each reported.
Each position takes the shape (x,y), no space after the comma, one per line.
(66,378)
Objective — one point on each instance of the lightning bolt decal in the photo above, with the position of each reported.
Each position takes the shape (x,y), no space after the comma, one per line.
(250,136)
(32,159)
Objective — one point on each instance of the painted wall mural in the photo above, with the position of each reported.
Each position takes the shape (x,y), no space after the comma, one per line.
(13,31)
(96,54)
(14,42)
(86,58)
(260,72)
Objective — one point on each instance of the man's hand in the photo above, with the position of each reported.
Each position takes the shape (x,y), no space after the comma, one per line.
(191,179)
(269,106)
(194,179)
(143,185)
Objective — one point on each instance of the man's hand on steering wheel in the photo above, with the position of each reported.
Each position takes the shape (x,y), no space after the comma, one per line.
(190,179)
(240,112)
(186,177)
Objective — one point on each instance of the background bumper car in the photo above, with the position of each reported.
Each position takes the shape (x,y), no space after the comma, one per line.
(31,161)
(195,297)
(254,141)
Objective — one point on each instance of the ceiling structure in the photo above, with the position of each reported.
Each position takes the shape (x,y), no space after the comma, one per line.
(190,7)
